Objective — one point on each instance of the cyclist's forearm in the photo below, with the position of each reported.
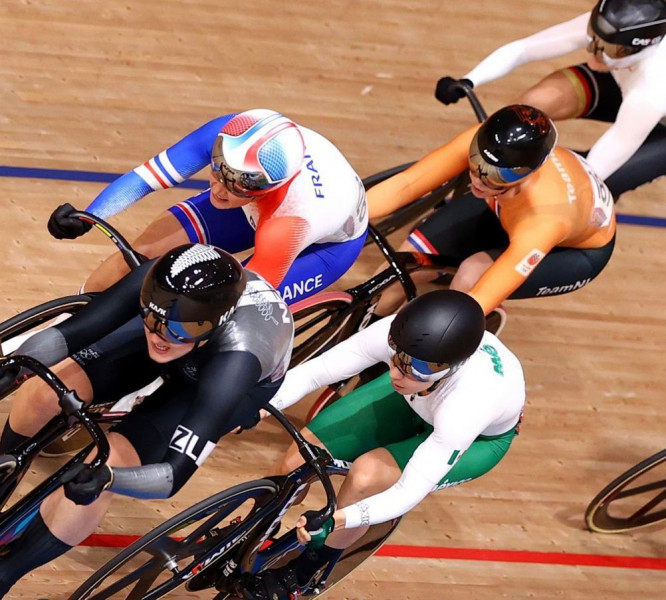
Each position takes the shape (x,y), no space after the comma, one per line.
(149,482)
(348,358)
(549,43)
(621,141)
(387,197)
(164,170)
(317,373)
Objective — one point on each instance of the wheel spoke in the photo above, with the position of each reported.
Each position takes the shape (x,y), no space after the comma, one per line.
(637,491)
(641,512)
(632,500)
(143,572)
(167,555)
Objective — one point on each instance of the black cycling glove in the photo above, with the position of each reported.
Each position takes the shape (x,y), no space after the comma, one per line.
(448,91)
(83,485)
(62,226)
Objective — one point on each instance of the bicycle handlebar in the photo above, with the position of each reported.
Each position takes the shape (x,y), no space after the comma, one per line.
(131,256)
(318,459)
(479,111)
(71,405)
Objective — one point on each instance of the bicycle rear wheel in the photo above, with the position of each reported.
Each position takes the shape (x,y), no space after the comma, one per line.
(320,322)
(38,315)
(632,500)
(166,557)
(330,575)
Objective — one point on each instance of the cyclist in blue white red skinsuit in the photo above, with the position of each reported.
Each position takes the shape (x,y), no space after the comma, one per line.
(283,189)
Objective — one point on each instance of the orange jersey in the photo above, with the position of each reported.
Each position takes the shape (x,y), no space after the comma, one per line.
(561,204)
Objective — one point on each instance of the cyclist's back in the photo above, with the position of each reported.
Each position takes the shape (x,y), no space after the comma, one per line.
(279,188)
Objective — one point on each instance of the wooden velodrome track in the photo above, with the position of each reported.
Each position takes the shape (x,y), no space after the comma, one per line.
(102,86)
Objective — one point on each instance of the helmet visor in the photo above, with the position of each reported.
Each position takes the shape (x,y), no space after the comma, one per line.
(418,369)
(176,332)
(244,184)
(604,50)
(492,176)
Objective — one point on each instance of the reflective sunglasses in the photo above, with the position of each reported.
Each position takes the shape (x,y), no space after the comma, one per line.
(244,184)
(418,369)
(603,49)
(496,178)
(176,332)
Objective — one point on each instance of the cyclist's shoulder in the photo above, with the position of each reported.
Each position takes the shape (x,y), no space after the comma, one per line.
(491,364)
(564,175)
(320,151)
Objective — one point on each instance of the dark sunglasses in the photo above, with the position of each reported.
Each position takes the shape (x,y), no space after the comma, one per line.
(176,332)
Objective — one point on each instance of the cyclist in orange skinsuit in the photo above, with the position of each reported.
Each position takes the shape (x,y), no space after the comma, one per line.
(540,222)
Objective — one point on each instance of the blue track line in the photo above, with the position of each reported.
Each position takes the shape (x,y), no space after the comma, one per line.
(198,184)
(86,176)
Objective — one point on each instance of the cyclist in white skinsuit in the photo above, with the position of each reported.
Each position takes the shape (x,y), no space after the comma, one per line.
(622,83)
(446,413)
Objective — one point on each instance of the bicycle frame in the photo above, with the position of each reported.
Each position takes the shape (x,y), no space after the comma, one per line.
(363,298)
(434,199)
(73,410)
(225,555)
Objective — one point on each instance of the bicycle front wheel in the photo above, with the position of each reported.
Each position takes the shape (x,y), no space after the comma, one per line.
(167,556)
(320,322)
(632,500)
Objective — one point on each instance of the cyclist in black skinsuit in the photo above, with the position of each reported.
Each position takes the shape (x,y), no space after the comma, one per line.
(219,337)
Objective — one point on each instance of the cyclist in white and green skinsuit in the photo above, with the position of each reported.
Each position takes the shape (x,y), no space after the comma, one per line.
(446,413)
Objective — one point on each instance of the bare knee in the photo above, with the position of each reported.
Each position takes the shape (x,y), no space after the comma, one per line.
(555,95)
(370,474)
(122,452)
(290,461)
(34,405)
(470,271)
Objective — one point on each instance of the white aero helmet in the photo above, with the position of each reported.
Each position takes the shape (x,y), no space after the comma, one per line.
(256,152)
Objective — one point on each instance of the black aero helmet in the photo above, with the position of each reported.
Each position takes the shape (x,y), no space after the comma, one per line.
(190,291)
(434,334)
(620,28)
(510,144)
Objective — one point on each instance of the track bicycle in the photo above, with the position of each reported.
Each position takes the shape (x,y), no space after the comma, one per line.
(14,465)
(420,208)
(635,499)
(220,541)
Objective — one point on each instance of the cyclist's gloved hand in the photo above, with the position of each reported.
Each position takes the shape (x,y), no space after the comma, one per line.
(253,421)
(83,485)
(318,531)
(62,226)
(448,91)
